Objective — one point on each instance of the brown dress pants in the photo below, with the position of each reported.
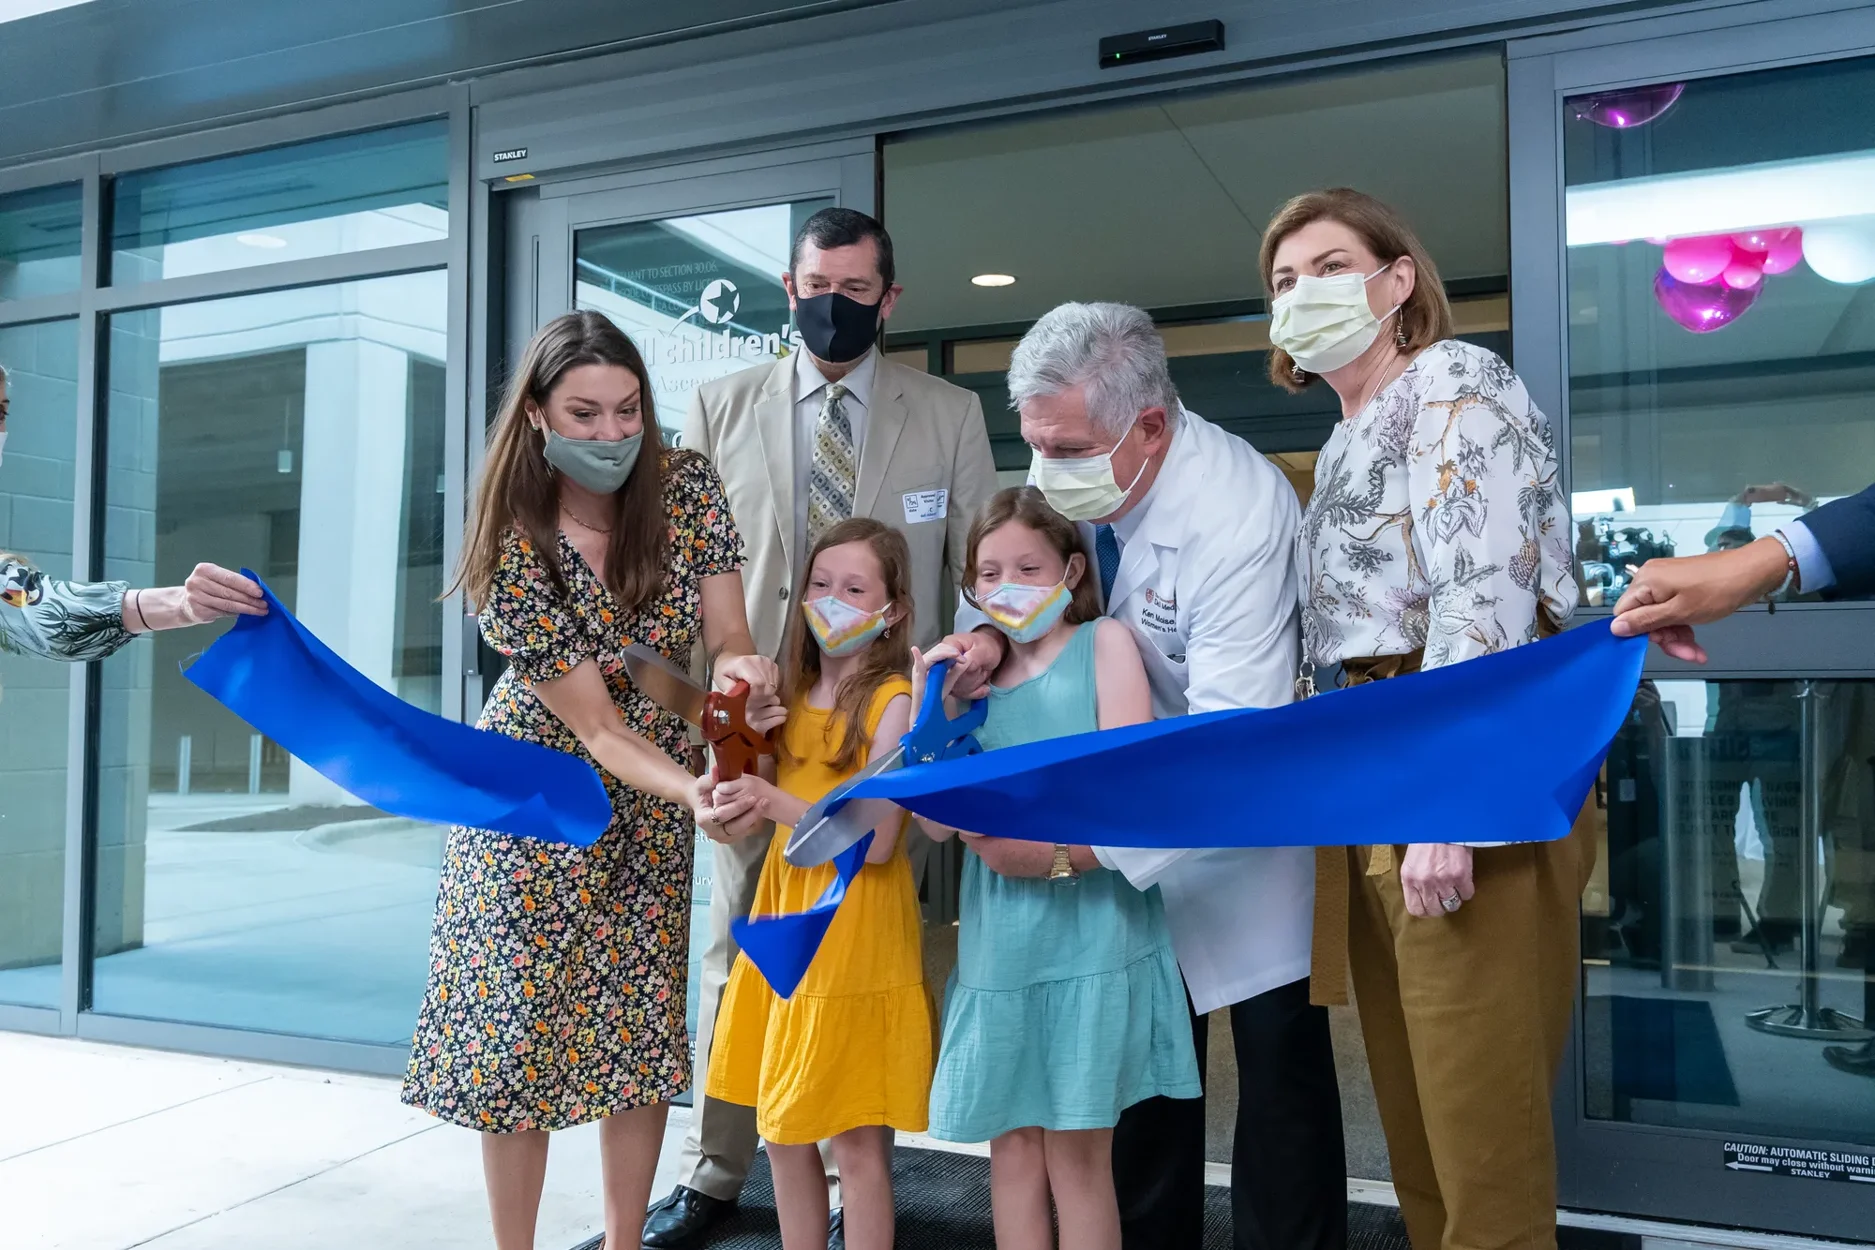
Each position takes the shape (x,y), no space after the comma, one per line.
(1465,1017)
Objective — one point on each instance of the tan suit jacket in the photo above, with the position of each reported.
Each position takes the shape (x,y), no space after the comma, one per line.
(922,434)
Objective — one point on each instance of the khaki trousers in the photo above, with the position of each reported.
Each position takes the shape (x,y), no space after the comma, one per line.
(720,1143)
(1465,1018)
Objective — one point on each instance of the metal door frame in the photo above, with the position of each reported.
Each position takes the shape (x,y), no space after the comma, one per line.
(1672,1173)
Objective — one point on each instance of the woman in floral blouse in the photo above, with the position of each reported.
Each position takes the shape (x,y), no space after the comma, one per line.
(80,621)
(1436,532)
(557,974)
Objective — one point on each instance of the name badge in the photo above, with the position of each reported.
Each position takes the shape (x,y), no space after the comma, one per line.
(926,505)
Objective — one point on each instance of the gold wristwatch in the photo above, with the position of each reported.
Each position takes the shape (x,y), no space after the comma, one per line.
(1063,869)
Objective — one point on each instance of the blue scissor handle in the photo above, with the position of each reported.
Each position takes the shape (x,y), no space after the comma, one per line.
(935,736)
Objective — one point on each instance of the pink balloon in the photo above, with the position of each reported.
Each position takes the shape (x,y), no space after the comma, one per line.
(1625,109)
(1699,259)
(1759,240)
(1786,251)
(1745,271)
(1701,308)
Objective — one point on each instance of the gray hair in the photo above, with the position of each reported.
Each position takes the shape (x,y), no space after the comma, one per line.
(1112,349)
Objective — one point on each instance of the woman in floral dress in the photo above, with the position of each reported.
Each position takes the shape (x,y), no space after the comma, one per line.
(1437,532)
(557,973)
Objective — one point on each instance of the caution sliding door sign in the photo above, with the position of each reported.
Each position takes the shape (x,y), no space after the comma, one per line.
(1816,1165)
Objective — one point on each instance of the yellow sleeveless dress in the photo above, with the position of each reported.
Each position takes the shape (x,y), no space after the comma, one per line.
(853,1047)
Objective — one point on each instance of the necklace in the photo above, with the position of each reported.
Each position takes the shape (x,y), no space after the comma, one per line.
(1380,381)
(583,523)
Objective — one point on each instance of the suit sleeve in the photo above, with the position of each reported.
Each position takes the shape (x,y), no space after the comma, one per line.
(973,481)
(696,435)
(1845,530)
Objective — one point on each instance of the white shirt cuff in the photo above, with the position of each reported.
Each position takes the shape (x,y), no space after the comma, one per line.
(1813,570)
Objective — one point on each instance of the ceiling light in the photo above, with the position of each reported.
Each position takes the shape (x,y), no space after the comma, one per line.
(260,240)
(1722,201)
(993,279)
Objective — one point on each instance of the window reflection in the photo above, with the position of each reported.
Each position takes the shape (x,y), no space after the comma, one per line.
(39,241)
(299,434)
(35,695)
(353,193)
(1731,925)
(1721,257)
(700,295)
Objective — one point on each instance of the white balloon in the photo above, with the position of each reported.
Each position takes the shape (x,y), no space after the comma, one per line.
(1841,251)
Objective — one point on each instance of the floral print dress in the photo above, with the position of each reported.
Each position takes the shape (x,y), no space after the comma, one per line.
(1437,520)
(557,974)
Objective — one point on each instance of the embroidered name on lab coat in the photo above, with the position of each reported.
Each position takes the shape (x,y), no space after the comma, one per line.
(1159,612)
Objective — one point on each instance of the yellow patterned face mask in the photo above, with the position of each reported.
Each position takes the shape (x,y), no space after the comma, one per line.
(840,628)
(1025,612)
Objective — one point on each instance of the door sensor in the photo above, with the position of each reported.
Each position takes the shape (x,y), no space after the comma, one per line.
(1163,41)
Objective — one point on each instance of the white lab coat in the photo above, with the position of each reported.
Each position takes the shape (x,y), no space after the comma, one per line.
(1207,585)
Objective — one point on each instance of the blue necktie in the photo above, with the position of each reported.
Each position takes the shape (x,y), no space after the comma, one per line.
(1107,555)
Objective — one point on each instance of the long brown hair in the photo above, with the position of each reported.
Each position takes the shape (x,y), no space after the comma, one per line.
(518,494)
(1025,505)
(1426,317)
(887,657)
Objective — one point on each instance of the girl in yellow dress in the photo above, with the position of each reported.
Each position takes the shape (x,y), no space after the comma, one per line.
(849,1056)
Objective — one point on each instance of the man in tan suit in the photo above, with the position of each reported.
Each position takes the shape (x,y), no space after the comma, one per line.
(831,430)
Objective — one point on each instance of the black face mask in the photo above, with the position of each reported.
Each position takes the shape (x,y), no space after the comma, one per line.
(837,328)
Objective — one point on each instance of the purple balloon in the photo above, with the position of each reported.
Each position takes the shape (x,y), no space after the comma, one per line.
(1626,109)
(1702,309)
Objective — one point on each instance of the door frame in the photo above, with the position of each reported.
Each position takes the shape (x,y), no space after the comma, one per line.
(1671,1173)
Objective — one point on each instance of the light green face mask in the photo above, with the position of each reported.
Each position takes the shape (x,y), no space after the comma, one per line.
(600,465)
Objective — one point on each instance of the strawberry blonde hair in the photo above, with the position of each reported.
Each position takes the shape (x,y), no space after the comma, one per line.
(886,658)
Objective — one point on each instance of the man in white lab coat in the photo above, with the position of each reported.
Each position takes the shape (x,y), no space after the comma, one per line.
(1192,531)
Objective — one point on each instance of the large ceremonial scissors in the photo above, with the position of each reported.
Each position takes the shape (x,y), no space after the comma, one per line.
(831,825)
(722,715)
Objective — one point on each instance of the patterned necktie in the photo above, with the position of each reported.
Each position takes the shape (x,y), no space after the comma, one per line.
(1107,555)
(831,480)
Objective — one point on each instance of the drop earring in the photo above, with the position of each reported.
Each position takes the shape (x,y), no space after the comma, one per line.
(1399,332)
(1295,374)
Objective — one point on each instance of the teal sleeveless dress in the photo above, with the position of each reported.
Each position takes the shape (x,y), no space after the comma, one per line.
(1066,1006)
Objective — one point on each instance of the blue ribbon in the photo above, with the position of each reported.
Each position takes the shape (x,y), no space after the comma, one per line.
(781,947)
(1503,748)
(275,675)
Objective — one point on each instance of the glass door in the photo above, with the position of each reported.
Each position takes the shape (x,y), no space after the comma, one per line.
(688,262)
(1713,310)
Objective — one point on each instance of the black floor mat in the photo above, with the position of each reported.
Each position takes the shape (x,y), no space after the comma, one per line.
(944,1204)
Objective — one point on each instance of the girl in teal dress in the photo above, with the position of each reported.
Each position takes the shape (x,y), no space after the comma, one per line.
(1066,1006)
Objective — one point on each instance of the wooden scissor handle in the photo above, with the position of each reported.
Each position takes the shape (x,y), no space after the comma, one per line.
(726,728)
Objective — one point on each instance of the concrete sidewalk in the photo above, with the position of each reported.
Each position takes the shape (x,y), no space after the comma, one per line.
(106,1148)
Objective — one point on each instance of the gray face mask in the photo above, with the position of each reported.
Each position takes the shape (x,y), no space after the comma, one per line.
(599,465)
